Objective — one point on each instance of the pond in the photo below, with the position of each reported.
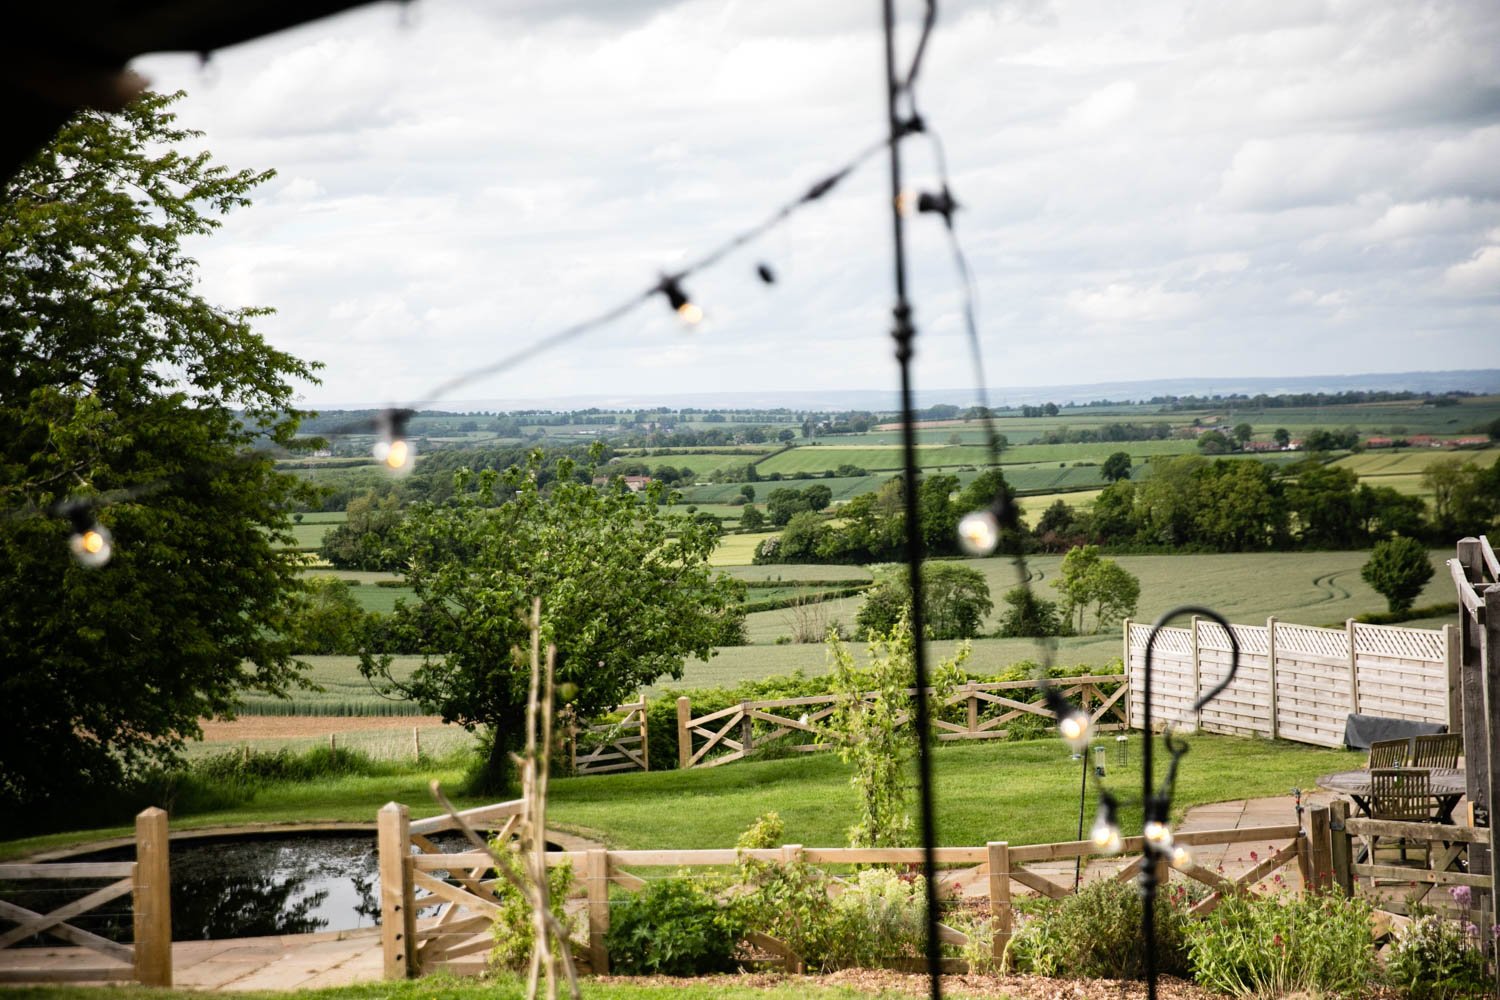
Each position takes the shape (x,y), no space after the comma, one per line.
(229,887)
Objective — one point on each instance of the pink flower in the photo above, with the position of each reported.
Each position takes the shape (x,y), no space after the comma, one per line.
(1254,856)
(1462,895)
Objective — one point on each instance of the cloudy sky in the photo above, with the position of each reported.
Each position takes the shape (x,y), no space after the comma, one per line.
(1152,189)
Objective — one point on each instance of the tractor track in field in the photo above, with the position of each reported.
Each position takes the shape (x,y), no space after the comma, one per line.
(1329,589)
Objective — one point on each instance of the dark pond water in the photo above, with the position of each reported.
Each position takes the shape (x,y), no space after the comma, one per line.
(238,887)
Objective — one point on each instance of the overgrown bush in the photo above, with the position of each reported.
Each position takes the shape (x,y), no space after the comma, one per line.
(513,930)
(674,927)
(1097,934)
(1436,959)
(1273,945)
(881,916)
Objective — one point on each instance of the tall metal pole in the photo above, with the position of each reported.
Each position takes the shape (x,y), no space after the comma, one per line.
(904,334)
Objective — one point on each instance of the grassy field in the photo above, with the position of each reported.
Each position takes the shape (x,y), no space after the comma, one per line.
(808,571)
(344,692)
(1020,792)
(1376,466)
(1033,506)
(359,576)
(738,550)
(816,459)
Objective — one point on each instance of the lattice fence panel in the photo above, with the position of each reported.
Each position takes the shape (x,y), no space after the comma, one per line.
(1169,640)
(1292,640)
(1405,643)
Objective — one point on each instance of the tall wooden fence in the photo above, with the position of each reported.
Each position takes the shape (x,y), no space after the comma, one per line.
(146,880)
(972,711)
(996,871)
(1297,682)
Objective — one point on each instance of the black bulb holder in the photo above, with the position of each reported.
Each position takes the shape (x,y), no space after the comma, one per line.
(671,287)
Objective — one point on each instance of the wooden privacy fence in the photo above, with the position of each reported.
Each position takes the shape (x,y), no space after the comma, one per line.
(599,748)
(146,879)
(1297,682)
(739,731)
(995,871)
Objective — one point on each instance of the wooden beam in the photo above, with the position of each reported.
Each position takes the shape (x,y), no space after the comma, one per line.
(71,934)
(397,922)
(596,872)
(1001,917)
(43,923)
(63,869)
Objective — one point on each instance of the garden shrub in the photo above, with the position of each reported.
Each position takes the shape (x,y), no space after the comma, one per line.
(674,927)
(1096,934)
(1272,945)
(512,929)
(881,916)
(1436,959)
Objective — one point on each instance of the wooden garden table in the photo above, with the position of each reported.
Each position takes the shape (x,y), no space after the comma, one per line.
(1448,785)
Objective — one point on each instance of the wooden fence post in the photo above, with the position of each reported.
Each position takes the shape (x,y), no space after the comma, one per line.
(1001,918)
(1320,847)
(645,738)
(153,899)
(1197,669)
(596,873)
(416,745)
(398,918)
(973,706)
(747,730)
(1490,665)
(1125,662)
(1271,672)
(1341,856)
(684,735)
(1455,657)
(1353,667)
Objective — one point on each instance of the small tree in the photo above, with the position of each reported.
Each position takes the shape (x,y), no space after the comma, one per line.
(1089,580)
(1282,437)
(751,518)
(866,727)
(1242,433)
(1028,615)
(748,492)
(957,601)
(1398,569)
(1116,467)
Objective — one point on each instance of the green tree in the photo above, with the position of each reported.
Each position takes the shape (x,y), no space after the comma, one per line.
(366,538)
(626,592)
(1240,507)
(751,518)
(1116,467)
(327,619)
(748,492)
(1282,437)
(937,514)
(1465,498)
(1213,443)
(1322,500)
(1167,502)
(1088,580)
(1242,434)
(1113,511)
(118,380)
(957,599)
(1029,616)
(818,497)
(783,502)
(1398,569)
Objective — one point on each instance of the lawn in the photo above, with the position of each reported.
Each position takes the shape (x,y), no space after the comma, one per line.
(1021,792)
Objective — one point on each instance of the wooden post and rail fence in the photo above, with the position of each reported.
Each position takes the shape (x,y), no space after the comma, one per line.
(461,886)
(148,960)
(795,724)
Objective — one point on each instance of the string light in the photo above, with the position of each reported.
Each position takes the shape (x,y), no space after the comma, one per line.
(685,307)
(1105,833)
(90,543)
(979,532)
(394,450)
(1072,724)
(1182,858)
(765,274)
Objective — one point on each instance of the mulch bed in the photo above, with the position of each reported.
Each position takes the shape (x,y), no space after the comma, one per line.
(884,981)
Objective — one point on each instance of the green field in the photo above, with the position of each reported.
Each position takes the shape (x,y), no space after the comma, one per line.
(801,571)
(1376,466)
(344,692)
(737,550)
(818,458)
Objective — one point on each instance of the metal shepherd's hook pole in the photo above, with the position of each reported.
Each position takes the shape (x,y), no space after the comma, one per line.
(904,334)
(1157,803)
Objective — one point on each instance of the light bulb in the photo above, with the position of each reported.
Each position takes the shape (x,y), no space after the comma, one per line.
(1158,833)
(1182,858)
(905,202)
(398,455)
(92,546)
(979,532)
(691,313)
(1074,729)
(1105,836)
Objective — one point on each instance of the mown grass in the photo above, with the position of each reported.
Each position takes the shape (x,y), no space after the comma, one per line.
(1020,792)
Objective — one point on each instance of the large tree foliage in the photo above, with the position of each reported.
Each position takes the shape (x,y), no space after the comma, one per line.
(118,380)
(1089,581)
(956,600)
(625,585)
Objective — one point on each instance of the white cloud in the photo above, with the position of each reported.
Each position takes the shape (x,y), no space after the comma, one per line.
(1288,178)
(1479,275)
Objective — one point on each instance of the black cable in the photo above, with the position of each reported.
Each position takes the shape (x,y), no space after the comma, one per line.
(904,334)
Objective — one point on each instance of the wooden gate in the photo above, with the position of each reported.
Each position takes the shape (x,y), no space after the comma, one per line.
(146,879)
(612,746)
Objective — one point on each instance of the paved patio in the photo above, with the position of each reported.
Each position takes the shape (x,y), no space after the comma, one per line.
(339,958)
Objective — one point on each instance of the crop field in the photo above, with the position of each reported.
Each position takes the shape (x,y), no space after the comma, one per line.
(310,536)
(344,692)
(1376,466)
(325,517)
(816,459)
(737,550)
(356,576)
(843,487)
(381,599)
(809,572)
(1033,506)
